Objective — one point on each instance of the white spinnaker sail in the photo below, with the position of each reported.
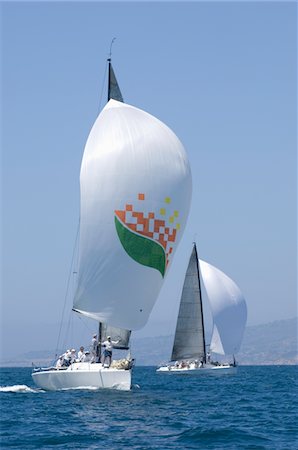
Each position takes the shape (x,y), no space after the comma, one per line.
(228,308)
(135,198)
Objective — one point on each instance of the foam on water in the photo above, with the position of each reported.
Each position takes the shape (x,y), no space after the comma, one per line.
(19,388)
(80,388)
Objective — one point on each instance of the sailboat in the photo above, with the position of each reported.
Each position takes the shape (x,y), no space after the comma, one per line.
(229,312)
(135,187)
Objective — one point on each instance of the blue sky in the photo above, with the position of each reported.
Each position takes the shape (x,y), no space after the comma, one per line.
(221,75)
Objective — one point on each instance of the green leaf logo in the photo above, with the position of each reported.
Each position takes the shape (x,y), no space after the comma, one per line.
(148,234)
(142,249)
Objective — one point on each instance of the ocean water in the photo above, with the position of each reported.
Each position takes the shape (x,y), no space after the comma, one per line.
(255,409)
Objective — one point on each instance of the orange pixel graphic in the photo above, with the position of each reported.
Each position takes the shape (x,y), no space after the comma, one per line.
(150,226)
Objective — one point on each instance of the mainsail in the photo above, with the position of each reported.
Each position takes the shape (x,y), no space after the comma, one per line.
(189,342)
(116,334)
(113,87)
(228,308)
(135,197)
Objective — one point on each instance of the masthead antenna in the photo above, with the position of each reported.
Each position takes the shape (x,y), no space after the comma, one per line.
(110,54)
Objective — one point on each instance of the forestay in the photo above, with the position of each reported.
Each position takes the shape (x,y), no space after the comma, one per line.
(135,196)
(228,309)
(189,342)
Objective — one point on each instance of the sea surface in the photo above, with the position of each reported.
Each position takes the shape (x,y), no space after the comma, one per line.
(254,409)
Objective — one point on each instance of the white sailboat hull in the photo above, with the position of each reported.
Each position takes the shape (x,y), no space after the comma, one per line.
(84,376)
(198,371)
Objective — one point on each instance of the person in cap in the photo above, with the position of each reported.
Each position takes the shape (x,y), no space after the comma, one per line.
(87,357)
(107,354)
(67,358)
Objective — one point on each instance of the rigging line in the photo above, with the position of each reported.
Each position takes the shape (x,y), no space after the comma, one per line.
(85,327)
(102,88)
(67,286)
(69,331)
(112,42)
(105,74)
(84,323)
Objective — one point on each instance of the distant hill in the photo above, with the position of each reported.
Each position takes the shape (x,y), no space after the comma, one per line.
(274,343)
(269,344)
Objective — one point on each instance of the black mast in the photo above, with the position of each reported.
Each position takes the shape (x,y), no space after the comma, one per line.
(111,81)
(98,351)
(110,69)
(201,302)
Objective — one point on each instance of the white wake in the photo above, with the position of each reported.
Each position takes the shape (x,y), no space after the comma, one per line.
(19,388)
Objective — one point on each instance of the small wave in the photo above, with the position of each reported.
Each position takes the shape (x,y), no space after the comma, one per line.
(18,388)
(136,386)
(228,434)
(118,387)
(80,388)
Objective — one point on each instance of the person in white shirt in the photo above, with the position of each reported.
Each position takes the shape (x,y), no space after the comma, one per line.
(67,358)
(59,362)
(208,357)
(81,354)
(87,357)
(72,356)
(107,354)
